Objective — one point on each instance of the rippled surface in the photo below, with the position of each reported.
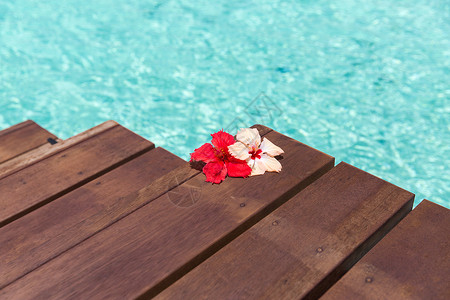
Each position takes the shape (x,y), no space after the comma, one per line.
(367,83)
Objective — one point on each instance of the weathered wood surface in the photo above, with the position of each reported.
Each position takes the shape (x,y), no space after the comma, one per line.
(21,138)
(19,162)
(300,249)
(149,249)
(411,262)
(34,239)
(44,181)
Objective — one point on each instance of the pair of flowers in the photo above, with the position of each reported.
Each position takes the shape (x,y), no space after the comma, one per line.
(243,157)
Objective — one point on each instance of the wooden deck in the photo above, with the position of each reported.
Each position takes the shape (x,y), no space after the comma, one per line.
(106,215)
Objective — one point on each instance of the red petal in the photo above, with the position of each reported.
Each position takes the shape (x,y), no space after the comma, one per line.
(238,168)
(205,153)
(215,172)
(221,140)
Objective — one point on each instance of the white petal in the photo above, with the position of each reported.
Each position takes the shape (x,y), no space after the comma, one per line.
(251,163)
(249,136)
(239,150)
(263,164)
(258,167)
(271,164)
(269,148)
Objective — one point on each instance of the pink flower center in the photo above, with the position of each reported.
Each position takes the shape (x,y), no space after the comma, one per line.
(255,153)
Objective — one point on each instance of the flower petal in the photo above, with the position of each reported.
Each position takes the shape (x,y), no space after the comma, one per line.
(258,167)
(215,172)
(238,169)
(265,163)
(271,163)
(269,148)
(221,140)
(239,151)
(249,136)
(205,153)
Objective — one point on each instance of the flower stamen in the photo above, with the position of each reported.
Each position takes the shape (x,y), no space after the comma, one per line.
(255,153)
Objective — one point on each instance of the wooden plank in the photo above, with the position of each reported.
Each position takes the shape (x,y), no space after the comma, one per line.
(45,233)
(19,162)
(411,262)
(300,249)
(42,182)
(21,138)
(149,249)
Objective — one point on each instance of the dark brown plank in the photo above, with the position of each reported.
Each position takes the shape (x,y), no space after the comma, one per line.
(411,262)
(44,181)
(30,157)
(152,247)
(72,218)
(21,138)
(301,248)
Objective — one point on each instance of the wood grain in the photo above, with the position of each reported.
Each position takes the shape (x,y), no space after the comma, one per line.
(34,239)
(21,138)
(48,179)
(46,150)
(411,262)
(149,249)
(300,249)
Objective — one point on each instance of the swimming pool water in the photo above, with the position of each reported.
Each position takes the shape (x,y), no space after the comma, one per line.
(367,82)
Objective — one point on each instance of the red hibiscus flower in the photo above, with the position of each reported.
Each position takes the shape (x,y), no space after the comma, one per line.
(219,161)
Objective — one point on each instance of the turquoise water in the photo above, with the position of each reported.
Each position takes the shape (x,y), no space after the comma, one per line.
(367,82)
